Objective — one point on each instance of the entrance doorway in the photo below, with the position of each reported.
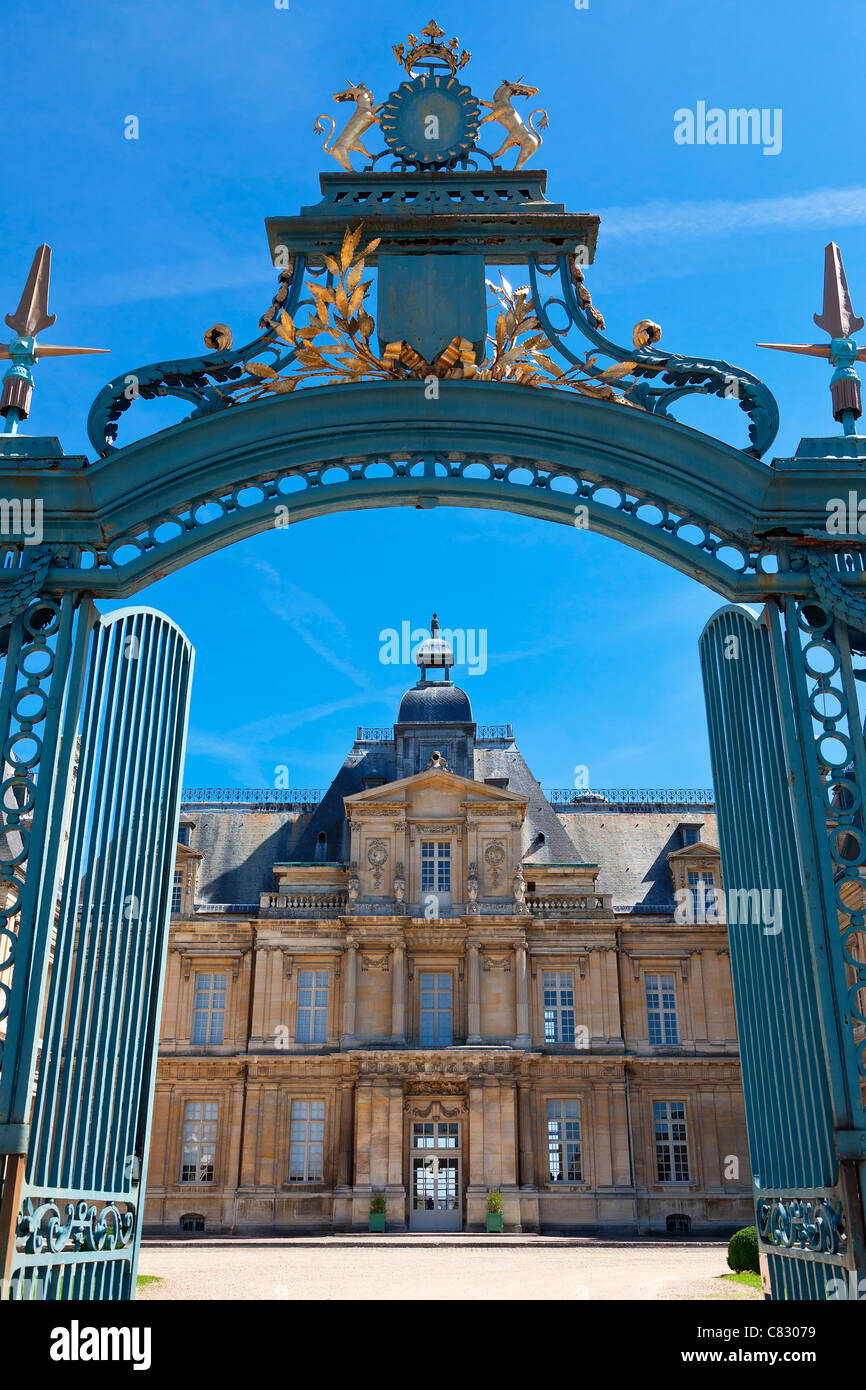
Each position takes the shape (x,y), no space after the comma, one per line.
(434,1164)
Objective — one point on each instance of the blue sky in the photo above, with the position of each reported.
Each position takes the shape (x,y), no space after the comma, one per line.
(592,647)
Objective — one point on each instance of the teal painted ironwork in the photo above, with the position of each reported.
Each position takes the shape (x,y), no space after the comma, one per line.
(78,1223)
(804,1113)
(700,505)
(87,845)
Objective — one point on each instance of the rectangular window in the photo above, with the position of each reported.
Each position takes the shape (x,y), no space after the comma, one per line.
(558,986)
(210,1009)
(661,1010)
(563,1140)
(177,891)
(436,1010)
(313,987)
(307,1141)
(703,891)
(672,1148)
(435,1134)
(435,866)
(199,1141)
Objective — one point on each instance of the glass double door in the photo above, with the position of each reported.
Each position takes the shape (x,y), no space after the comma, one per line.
(434,1162)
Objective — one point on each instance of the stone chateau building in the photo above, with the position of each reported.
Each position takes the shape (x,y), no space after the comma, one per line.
(433,981)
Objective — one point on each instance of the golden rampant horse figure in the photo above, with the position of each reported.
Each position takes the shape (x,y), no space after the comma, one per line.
(365,115)
(525,137)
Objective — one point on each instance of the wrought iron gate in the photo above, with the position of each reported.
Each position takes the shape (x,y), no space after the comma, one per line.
(94,713)
(788,761)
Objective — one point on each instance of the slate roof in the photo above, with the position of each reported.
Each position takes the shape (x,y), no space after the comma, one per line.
(435,702)
(241,844)
(631,849)
(240,849)
(330,816)
(541,819)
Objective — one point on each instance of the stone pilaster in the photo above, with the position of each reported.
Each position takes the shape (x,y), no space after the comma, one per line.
(476,1189)
(526,1130)
(395,1191)
(473,1017)
(350,990)
(398,995)
(521,995)
(345,1132)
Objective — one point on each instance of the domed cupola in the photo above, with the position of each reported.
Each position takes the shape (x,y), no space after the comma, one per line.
(431,704)
(434,653)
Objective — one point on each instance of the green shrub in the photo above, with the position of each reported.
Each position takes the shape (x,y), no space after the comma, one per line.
(377,1204)
(494,1201)
(743,1250)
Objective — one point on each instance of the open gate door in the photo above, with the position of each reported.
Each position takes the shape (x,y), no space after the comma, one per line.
(90,944)
(783,957)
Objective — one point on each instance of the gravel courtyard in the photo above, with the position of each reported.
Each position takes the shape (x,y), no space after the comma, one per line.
(433,1267)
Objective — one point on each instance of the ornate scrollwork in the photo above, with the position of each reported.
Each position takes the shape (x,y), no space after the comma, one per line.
(195,379)
(682,375)
(31,671)
(15,596)
(811,1224)
(86,1227)
(821,643)
(377,857)
(832,592)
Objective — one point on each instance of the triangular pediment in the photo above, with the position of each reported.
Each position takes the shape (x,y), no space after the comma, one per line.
(700,850)
(404,788)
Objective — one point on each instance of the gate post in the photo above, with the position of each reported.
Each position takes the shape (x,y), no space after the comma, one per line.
(782,795)
(39,704)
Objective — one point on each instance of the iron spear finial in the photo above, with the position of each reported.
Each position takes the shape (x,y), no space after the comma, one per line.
(30,318)
(838,317)
(839,320)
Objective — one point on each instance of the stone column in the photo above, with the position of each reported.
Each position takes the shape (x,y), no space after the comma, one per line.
(349,992)
(526,1102)
(398,995)
(473,1030)
(345,1134)
(521,991)
(395,1135)
(252,1122)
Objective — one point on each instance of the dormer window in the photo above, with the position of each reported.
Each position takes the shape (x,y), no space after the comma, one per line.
(184,832)
(321,847)
(375,779)
(497,781)
(690,835)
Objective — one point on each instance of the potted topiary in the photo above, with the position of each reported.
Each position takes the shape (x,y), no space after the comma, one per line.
(494,1209)
(377,1211)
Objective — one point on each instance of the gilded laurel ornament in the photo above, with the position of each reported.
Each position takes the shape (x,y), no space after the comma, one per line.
(337,346)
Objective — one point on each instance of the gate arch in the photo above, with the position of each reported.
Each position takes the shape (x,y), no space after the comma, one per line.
(516,420)
(699,505)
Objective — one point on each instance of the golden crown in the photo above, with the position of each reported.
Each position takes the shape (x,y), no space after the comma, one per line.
(428,48)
